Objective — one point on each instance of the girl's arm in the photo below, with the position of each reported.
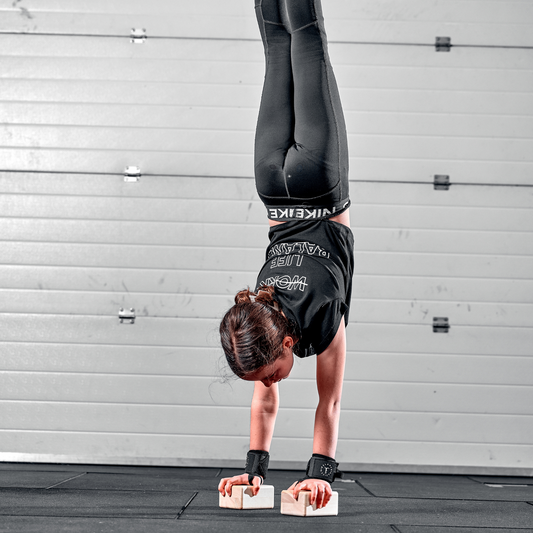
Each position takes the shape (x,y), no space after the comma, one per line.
(265,404)
(330,374)
(329,378)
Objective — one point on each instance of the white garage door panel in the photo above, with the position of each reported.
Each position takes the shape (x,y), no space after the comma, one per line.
(423,311)
(446,241)
(78,448)
(182,305)
(99,392)
(436,368)
(188,258)
(453,457)
(80,358)
(179,187)
(441,124)
(397,67)
(133,232)
(106,330)
(116,92)
(411,397)
(420,21)
(139,69)
(186,420)
(361,367)
(434,229)
(392,338)
(72,447)
(233,19)
(113,143)
(433,398)
(120,139)
(185,187)
(208,210)
(401,338)
(435,427)
(376,167)
(228,62)
(132,116)
(131,419)
(392,21)
(360,98)
(190,282)
(360,122)
(196,391)
(62,47)
(84,256)
(365,110)
(392,194)
(369,239)
(371,166)
(411,218)
(105,396)
(89,160)
(187,305)
(417,210)
(463,266)
(443,289)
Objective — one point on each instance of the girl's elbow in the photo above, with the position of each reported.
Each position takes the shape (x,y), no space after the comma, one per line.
(332,406)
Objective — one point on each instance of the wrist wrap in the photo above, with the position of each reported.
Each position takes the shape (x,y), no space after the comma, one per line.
(256,464)
(322,467)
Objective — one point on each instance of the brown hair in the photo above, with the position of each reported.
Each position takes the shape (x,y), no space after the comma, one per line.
(252,331)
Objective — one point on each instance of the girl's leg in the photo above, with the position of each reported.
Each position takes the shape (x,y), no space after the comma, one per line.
(318,161)
(275,125)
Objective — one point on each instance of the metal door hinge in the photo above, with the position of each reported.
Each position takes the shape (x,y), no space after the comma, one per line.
(125,314)
(132,174)
(441,325)
(443,44)
(441,182)
(138,35)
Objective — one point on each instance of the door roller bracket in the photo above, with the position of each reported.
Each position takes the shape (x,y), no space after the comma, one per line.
(443,44)
(441,182)
(138,35)
(441,325)
(127,314)
(132,174)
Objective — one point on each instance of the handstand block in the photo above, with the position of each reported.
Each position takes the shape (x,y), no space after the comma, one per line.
(241,498)
(302,507)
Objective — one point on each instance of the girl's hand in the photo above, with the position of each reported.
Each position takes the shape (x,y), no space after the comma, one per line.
(225,484)
(320,491)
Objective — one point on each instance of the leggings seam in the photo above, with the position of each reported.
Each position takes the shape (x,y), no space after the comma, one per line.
(306,26)
(273,23)
(328,79)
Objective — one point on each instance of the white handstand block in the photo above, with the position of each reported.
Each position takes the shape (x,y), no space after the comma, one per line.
(302,507)
(242,498)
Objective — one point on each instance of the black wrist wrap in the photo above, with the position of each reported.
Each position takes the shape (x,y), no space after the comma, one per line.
(256,464)
(322,467)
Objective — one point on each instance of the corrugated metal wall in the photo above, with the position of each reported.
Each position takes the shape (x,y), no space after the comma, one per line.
(80,102)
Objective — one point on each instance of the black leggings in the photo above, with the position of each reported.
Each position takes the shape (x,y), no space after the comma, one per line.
(301,149)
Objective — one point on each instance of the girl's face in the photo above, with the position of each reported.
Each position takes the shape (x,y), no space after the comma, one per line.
(280,369)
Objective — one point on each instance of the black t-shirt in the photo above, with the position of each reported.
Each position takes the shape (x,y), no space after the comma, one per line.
(310,265)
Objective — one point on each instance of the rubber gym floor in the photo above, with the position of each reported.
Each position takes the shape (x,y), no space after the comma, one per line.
(114,499)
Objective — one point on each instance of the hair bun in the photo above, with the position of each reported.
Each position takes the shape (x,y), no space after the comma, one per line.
(243,297)
(265,296)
